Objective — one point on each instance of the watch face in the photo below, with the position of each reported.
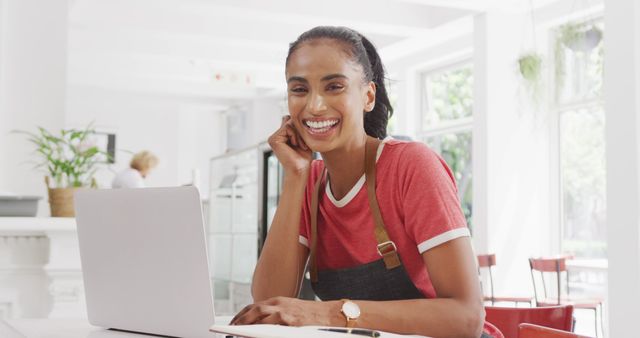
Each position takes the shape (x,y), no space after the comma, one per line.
(351,309)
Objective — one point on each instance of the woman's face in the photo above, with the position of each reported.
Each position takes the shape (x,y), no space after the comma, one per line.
(327,95)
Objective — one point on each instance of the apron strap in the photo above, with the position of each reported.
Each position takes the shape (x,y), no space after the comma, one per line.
(386,248)
(314,226)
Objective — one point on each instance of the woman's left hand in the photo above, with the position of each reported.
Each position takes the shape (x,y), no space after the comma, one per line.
(289,311)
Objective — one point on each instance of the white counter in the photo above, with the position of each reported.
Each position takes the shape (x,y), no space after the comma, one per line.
(40,272)
(35,225)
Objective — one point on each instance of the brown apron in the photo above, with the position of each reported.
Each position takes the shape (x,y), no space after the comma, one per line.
(383,279)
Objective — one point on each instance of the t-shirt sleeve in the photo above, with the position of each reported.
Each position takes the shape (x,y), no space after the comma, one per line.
(431,206)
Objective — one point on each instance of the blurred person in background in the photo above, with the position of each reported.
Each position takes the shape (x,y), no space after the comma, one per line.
(133,177)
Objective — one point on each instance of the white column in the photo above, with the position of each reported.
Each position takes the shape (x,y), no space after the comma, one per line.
(510,156)
(3,122)
(622,95)
(33,57)
(64,272)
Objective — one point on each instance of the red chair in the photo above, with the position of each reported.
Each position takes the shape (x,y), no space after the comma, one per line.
(557,266)
(486,262)
(507,319)
(536,331)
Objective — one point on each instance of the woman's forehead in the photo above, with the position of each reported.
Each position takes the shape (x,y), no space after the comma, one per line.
(321,56)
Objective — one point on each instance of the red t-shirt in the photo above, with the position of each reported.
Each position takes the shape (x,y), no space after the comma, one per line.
(418,200)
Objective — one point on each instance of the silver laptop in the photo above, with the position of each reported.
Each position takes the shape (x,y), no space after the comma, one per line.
(144,260)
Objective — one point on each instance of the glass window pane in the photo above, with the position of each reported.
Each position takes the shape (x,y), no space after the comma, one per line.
(449,96)
(455,149)
(583,175)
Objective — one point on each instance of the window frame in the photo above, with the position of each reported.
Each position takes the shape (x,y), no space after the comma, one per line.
(451,126)
(456,126)
(556,109)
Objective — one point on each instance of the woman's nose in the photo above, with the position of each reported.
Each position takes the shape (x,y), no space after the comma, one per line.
(317,103)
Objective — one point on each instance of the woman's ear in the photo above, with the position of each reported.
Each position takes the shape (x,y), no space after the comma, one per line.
(370,97)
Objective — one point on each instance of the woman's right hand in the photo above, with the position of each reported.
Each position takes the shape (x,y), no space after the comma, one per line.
(290,149)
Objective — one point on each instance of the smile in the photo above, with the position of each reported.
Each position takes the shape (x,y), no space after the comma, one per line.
(321,127)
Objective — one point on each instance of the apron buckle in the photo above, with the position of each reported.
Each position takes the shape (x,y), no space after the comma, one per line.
(386,247)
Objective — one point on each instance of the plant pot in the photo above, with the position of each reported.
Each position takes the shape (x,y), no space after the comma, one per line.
(61,202)
(530,66)
(585,41)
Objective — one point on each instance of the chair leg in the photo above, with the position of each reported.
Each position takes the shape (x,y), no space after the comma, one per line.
(595,312)
(602,319)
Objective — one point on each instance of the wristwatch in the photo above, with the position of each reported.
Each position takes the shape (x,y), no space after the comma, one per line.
(351,311)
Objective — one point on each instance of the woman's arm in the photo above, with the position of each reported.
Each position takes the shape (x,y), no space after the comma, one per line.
(282,261)
(457,312)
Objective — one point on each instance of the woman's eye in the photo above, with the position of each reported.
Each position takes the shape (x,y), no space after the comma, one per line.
(298,90)
(334,87)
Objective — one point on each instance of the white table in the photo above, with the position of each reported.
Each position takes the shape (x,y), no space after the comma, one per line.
(67,328)
(596,264)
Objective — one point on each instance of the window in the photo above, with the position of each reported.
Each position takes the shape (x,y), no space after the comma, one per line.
(581,123)
(446,123)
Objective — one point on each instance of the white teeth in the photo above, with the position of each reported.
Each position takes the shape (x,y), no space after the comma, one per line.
(322,124)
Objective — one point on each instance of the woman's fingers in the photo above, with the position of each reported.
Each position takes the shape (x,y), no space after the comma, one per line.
(285,118)
(241,313)
(303,144)
(255,313)
(299,141)
(292,134)
(288,134)
(275,318)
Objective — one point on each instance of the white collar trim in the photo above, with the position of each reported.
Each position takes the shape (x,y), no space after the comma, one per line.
(356,188)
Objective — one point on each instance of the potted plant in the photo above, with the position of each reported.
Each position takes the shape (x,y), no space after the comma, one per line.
(578,37)
(70,160)
(530,66)
(530,69)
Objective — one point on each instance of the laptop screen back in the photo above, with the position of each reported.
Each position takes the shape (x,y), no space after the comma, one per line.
(144,260)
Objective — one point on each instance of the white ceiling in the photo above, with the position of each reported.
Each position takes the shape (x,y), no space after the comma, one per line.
(235,49)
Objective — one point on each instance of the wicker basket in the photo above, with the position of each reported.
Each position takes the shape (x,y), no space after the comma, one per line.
(61,201)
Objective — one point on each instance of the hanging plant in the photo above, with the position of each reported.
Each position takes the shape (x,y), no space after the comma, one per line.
(580,37)
(577,37)
(530,69)
(530,66)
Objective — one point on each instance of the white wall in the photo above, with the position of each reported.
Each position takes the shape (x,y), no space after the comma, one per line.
(252,122)
(32,85)
(267,116)
(139,122)
(622,104)
(202,135)
(184,135)
(511,157)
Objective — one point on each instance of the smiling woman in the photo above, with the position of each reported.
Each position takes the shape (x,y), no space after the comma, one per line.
(394,255)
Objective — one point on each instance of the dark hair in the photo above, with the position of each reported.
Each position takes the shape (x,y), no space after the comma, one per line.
(364,52)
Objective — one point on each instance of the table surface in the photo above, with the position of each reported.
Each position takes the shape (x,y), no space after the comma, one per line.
(69,328)
(592,264)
